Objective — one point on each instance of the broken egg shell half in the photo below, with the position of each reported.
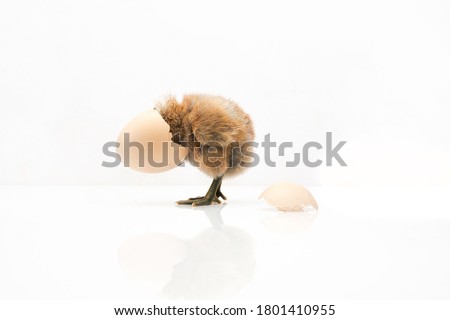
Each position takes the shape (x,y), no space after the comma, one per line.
(150,127)
(289,197)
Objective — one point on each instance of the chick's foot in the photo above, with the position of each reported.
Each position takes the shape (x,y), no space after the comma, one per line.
(211,197)
(199,201)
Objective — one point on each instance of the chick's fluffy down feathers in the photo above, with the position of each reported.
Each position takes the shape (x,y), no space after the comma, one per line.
(217,132)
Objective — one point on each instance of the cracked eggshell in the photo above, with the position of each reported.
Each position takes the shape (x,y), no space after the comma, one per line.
(150,127)
(287,196)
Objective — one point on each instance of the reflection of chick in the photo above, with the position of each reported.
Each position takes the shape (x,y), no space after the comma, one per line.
(218,264)
(217,133)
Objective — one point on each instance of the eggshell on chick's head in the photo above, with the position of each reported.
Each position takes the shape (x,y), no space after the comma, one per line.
(287,196)
(150,148)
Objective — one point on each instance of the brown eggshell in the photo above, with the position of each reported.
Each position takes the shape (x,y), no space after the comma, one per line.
(287,196)
(150,127)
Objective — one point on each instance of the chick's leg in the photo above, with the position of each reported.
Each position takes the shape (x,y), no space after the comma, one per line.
(219,193)
(210,197)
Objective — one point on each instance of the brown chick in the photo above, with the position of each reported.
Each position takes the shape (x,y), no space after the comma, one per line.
(218,135)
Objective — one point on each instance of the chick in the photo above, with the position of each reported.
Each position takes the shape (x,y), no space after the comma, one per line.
(218,135)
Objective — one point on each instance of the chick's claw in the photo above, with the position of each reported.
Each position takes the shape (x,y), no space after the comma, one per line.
(196,198)
(206,202)
(185,202)
(199,201)
(219,194)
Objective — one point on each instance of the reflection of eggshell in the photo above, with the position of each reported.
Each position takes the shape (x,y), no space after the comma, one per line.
(150,258)
(289,223)
(157,152)
(288,196)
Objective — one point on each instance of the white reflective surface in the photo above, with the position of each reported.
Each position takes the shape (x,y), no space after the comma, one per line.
(133,242)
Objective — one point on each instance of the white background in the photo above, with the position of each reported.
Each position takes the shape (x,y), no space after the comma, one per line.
(376,74)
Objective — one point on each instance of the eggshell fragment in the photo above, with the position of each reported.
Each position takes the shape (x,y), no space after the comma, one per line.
(287,196)
(150,127)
